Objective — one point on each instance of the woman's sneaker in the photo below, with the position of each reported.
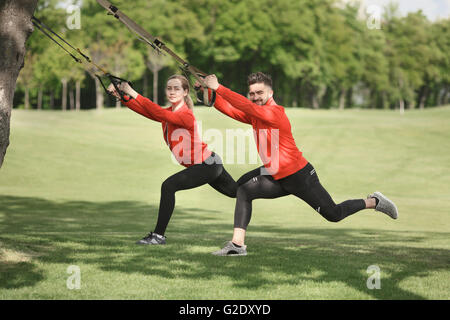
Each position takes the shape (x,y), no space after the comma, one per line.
(231,250)
(152,238)
(385,205)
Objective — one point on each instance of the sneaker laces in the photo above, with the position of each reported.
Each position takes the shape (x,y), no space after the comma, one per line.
(158,236)
(225,246)
(148,236)
(228,244)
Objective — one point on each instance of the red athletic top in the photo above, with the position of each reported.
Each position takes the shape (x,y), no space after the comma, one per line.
(179,129)
(272,131)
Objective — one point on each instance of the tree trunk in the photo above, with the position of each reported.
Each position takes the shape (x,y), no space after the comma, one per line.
(27,98)
(318,93)
(145,84)
(423,98)
(402,106)
(350,97)
(298,93)
(445,96)
(52,99)
(155,63)
(78,95)
(155,85)
(342,99)
(315,101)
(99,98)
(71,99)
(39,102)
(64,94)
(385,102)
(15,28)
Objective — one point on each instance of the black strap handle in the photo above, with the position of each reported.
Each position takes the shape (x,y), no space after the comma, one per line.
(209,102)
(205,99)
(200,89)
(116,81)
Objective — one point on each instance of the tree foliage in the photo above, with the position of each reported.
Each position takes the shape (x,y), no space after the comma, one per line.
(320,53)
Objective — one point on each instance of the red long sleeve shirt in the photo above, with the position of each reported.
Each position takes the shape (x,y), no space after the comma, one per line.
(272,130)
(179,129)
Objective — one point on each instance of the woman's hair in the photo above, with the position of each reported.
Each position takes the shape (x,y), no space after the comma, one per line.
(185,85)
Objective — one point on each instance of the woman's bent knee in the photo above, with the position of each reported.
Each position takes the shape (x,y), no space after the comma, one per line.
(168,186)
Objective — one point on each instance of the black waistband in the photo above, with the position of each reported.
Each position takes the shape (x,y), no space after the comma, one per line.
(213,158)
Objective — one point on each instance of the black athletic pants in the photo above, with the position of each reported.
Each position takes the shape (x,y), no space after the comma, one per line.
(210,171)
(304,184)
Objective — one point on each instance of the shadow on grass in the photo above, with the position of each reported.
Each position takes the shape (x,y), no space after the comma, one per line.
(103,234)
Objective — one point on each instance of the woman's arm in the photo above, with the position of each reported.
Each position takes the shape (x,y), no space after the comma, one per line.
(136,107)
(151,110)
(182,119)
(130,103)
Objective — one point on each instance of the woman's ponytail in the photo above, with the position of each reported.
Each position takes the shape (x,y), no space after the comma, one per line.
(189,102)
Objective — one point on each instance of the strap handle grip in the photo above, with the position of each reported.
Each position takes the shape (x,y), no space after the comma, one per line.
(116,81)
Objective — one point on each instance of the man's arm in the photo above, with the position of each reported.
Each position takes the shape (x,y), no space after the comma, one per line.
(266,114)
(226,108)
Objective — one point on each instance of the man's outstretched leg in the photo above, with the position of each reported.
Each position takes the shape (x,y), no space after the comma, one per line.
(305,184)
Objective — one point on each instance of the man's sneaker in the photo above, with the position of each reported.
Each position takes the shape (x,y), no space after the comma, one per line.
(152,238)
(231,250)
(385,205)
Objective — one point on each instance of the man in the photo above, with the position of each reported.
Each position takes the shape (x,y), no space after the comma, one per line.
(285,170)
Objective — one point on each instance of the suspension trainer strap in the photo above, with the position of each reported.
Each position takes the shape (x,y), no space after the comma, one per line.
(38,25)
(156,44)
(116,81)
(34,19)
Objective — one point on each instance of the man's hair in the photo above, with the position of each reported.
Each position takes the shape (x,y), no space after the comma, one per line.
(259,77)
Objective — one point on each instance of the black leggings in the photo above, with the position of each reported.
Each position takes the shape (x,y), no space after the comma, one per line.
(304,184)
(192,177)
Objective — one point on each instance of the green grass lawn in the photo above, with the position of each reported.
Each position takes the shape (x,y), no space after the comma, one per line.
(81,188)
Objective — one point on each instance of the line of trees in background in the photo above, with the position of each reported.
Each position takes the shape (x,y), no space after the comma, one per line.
(320,53)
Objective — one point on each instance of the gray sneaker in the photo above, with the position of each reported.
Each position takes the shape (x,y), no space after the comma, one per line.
(385,205)
(152,238)
(231,250)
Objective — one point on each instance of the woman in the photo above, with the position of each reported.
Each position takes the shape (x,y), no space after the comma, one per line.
(285,170)
(181,135)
